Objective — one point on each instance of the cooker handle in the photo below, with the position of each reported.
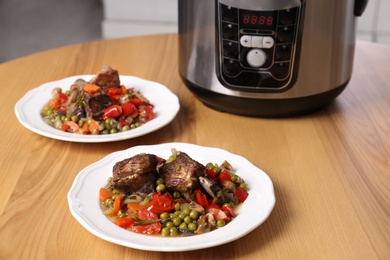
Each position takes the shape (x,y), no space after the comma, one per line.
(360,6)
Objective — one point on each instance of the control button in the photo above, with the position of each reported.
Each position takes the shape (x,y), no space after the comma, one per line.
(283,52)
(229,14)
(231,67)
(281,70)
(288,16)
(256,58)
(230,49)
(285,34)
(268,42)
(257,42)
(246,41)
(230,31)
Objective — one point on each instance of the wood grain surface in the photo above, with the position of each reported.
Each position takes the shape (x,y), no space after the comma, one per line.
(330,169)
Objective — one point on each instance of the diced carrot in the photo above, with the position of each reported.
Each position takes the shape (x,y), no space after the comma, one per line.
(53,103)
(84,129)
(94,127)
(91,88)
(104,194)
(134,206)
(124,90)
(117,204)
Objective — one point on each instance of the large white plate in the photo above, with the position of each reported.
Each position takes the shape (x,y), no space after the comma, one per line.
(84,202)
(27,109)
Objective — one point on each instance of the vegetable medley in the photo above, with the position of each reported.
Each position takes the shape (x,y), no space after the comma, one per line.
(170,210)
(99,106)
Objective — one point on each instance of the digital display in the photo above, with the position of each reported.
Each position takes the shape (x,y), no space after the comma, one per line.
(258,20)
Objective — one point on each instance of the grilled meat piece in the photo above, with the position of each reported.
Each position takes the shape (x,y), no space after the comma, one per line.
(182,175)
(136,174)
(107,77)
(97,105)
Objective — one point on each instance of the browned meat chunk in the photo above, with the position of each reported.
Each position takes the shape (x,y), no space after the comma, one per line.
(107,77)
(136,174)
(182,175)
(97,105)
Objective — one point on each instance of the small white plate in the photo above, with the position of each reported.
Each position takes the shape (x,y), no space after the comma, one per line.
(27,109)
(83,199)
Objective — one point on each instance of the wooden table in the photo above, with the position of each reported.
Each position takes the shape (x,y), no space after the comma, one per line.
(330,169)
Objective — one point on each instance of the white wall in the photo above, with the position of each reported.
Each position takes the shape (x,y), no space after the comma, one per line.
(139,17)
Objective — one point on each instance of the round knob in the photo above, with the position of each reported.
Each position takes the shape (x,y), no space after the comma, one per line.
(256,58)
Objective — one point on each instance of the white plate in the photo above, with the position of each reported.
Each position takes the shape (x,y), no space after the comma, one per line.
(84,202)
(27,109)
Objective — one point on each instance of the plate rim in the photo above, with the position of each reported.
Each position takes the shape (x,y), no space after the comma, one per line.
(187,242)
(171,109)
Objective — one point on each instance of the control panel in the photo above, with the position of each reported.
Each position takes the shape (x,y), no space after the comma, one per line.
(257,50)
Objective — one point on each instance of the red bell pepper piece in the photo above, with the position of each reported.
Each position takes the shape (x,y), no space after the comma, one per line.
(70,126)
(241,194)
(112,111)
(114,93)
(202,199)
(160,203)
(224,176)
(129,109)
(146,114)
(213,205)
(211,174)
(228,210)
(124,222)
(137,101)
(62,98)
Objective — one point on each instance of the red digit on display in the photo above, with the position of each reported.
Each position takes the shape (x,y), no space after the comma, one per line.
(262,20)
(254,19)
(246,19)
(270,20)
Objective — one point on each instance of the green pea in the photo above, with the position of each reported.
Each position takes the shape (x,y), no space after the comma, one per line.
(234,178)
(192,226)
(75,118)
(164,215)
(243,185)
(209,165)
(177,206)
(188,219)
(165,231)
(220,223)
(194,214)
(121,213)
(169,224)
(186,211)
(49,112)
(113,131)
(176,221)
(183,226)
(146,201)
(173,231)
(109,202)
(160,187)
(176,194)
(159,181)
(125,128)
(181,216)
